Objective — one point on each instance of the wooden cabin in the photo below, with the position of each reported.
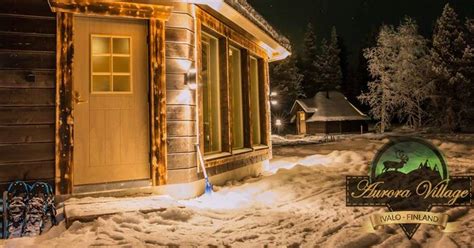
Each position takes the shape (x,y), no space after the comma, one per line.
(113,95)
(328,112)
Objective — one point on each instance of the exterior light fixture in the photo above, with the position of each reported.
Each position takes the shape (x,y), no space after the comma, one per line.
(274,93)
(274,102)
(191,79)
(278,122)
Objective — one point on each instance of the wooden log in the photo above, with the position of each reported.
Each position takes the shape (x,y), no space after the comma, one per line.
(27,97)
(174,65)
(26,115)
(181,112)
(181,144)
(122,9)
(27,79)
(179,51)
(27,60)
(26,134)
(17,41)
(179,35)
(180,20)
(182,176)
(181,128)
(28,24)
(240,159)
(26,171)
(264,103)
(64,106)
(158,101)
(26,152)
(176,81)
(181,97)
(181,161)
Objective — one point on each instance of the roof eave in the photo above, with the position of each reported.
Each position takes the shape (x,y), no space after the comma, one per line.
(273,48)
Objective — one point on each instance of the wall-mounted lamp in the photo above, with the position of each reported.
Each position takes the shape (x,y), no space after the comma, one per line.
(274,102)
(274,93)
(278,122)
(191,79)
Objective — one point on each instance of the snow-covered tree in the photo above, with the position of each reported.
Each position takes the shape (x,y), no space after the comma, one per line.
(307,62)
(452,94)
(382,96)
(328,64)
(399,63)
(286,81)
(412,74)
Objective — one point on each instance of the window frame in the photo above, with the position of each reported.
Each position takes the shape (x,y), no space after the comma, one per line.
(243,106)
(211,35)
(111,73)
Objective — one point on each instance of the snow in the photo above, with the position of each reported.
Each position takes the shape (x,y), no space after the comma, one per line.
(299,201)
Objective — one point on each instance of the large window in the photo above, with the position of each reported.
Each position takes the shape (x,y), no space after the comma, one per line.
(255,102)
(236,87)
(110,64)
(211,94)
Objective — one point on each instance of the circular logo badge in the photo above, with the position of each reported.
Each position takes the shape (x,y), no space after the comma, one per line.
(409,157)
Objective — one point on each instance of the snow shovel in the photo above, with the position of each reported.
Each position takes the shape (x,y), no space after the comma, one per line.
(208,185)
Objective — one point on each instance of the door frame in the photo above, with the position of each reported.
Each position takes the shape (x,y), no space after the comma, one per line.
(64,145)
(300,123)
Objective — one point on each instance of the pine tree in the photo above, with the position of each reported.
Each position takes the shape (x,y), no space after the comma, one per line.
(412,74)
(328,64)
(286,82)
(308,61)
(451,97)
(382,91)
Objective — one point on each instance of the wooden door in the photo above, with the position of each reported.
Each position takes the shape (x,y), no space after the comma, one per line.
(301,122)
(111,120)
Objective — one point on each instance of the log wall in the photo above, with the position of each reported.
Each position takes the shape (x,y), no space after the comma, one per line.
(27,91)
(181,101)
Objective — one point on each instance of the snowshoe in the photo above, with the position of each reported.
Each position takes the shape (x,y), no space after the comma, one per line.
(16,207)
(49,219)
(36,209)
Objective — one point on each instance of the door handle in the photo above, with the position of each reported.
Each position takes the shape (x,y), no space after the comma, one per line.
(77,98)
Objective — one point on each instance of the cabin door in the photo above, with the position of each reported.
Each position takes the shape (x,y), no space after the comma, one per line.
(111,120)
(301,122)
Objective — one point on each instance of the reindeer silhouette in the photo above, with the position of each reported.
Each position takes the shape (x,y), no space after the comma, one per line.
(396,164)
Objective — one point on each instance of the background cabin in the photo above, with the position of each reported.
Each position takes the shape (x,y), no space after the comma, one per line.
(104,95)
(327,113)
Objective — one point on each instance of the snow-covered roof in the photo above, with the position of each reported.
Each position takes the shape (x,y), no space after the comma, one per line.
(336,107)
(248,11)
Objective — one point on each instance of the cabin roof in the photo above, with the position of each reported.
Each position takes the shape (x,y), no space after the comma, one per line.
(336,107)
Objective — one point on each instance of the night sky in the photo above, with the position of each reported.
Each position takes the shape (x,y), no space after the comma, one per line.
(355,20)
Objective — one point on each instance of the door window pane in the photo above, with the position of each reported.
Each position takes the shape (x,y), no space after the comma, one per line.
(121,45)
(211,98)
(255,102)
(110,64)
(101,83)
(100,45)
(236,87)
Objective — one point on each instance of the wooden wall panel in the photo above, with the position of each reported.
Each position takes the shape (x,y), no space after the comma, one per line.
(27,79)
(27,60)
(28,25)
(26,115)
(26,134)
(23,97)
(20,41)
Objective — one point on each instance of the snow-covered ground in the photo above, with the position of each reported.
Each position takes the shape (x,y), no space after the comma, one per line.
(299,201)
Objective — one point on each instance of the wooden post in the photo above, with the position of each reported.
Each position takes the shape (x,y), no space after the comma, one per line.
(64,103)
(158,102)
